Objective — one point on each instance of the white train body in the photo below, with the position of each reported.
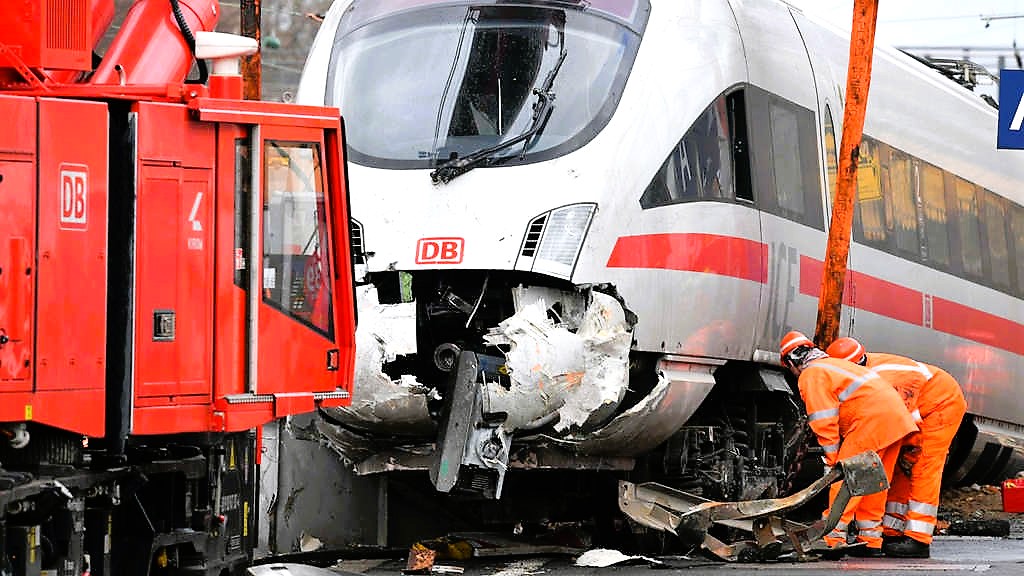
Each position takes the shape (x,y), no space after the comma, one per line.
(611,292)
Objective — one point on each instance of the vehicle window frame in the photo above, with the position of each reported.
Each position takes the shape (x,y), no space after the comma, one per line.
(323,220)
(583,136)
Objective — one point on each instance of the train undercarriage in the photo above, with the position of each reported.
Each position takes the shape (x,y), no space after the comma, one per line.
(167,506)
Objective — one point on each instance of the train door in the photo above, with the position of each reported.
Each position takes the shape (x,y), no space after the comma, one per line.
(825,51)
(17,182)
(781,111)
(294,323)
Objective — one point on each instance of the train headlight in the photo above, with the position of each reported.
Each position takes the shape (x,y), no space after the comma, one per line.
(553,240)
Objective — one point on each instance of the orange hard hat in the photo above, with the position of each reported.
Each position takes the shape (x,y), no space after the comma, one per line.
(847,349)
(793,340)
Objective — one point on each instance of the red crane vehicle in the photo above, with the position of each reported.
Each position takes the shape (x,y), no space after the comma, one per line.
(174,274)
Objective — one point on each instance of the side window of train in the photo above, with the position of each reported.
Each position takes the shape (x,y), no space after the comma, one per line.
(700,167)
(901,203)
(936,228)
(1017,235)
(920,212)
(885,215)
(993,218)
(784,146)
(869,211)
(969,227)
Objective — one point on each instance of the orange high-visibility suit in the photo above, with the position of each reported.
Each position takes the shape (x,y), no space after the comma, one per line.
(937,403)
(852,409)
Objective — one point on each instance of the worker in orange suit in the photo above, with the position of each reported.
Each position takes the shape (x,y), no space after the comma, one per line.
(852,410)
(937,403)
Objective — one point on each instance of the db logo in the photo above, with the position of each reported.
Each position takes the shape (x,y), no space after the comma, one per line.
(74,193)
(439,250)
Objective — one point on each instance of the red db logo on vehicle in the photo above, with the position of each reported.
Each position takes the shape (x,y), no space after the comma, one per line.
(74,193)
(439,250)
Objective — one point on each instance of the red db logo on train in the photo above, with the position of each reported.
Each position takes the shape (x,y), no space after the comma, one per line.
(439,250)
(74,194)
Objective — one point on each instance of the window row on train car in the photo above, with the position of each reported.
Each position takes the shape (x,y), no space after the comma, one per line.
(905,206)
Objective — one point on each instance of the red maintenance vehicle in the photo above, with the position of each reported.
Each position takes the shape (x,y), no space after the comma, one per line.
(174,274)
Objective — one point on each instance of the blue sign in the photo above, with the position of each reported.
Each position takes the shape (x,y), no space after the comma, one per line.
(1011,109)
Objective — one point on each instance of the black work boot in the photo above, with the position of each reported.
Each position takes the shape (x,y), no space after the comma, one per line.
(865,552)
(907,548)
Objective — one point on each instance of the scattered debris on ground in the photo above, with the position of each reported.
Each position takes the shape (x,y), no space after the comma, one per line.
(603,557)
(977,511)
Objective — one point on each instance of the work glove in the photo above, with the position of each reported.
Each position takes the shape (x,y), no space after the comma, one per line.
(909,454)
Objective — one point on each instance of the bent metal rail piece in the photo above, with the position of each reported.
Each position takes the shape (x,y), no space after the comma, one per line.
(690,517)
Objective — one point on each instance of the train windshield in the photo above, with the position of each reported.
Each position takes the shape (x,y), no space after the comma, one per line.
(424,82)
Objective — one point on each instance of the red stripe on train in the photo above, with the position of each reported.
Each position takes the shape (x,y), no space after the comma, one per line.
(866,293)
(747,259)
(901,303)
(972,324)
(709,253)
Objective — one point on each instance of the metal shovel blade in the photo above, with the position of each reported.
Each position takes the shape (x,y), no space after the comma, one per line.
(864,474)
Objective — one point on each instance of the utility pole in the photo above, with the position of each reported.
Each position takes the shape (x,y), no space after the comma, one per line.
(858,79)
(252,79)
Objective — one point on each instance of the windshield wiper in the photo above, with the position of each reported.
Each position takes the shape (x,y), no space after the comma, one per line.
(542,109)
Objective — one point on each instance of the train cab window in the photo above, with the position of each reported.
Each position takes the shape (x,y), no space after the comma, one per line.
(933,203)
(671,185)
(714,148)
(869,212)
(994,223)
(902,204)
(1017,235)
(296,274)
(477,71)
(969,227)
(700,166)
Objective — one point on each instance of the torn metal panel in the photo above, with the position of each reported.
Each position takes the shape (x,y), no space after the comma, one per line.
(571,305)
(573,380)
(380,404)
(680,390)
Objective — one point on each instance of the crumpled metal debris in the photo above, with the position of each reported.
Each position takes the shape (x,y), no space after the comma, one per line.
(385,332)
(574,380)
(567,357)
(690,517)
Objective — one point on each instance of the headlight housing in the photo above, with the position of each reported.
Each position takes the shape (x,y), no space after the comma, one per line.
(553,240)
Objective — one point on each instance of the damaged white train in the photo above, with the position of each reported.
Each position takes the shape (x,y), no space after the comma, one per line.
(581,228)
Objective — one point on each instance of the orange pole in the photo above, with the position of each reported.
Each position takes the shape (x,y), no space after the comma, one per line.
(252,65)
(858,79)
